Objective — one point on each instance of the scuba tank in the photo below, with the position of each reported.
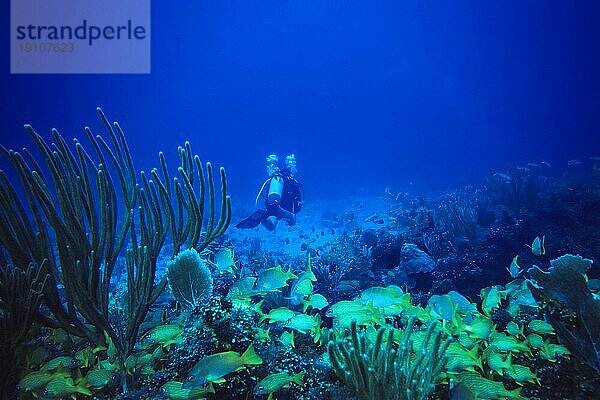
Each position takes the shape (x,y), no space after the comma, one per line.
(275,190)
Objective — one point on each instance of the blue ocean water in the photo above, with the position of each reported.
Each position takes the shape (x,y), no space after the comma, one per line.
(367,95)
(444,149)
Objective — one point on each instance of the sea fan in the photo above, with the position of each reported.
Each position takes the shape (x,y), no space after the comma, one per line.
(190,278)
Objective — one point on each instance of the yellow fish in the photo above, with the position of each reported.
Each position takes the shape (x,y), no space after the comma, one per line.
(61,363)
(224,261)
(215,367)
(306,323)
(522,374)
(243,288)
(262,335)
(485,388)
(287,339)
(316,301)
(98,379)
(35,381)
(362,317)
(164,335)
(273,279)
(274,382)
(382,296)
(175,391)
(61,388)
(540,327)
(308,273)
(86,357)
(346,306)
(281,314)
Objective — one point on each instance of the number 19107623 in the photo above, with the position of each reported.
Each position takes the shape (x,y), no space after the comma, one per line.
(47,47)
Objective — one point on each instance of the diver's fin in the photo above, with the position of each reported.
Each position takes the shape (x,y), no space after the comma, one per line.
(252,221)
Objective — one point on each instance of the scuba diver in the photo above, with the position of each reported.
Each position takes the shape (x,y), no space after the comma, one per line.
(283,199)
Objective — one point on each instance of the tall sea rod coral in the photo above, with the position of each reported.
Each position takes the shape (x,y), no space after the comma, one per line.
(381,371)
(74,219)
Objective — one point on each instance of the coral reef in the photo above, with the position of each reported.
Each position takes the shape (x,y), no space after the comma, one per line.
(75,223)
(399,297)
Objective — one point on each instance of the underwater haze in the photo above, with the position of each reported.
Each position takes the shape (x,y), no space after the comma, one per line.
(300,200)
(367,95)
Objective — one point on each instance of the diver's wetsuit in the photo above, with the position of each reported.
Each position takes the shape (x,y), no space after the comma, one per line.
(291,198)
(284,207)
